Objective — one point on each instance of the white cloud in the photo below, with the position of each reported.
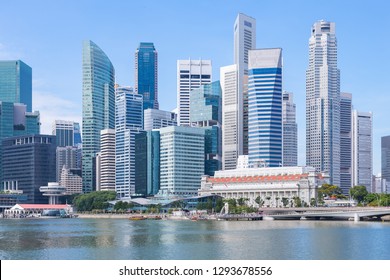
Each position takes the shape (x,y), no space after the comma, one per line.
(52,107)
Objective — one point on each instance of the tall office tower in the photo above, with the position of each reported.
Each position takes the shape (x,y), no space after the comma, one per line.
(191,74)
(244,40)
(29,161)
(68,157)
(98,105)
(16,83)
(290,130)
(154,119)
(181,160)
(265,107)
(323,102)
(128,123)
(345,142)
(362,149)
(231,135)
(146,74)
(385,157)
(105,163)
(205,112)
(67,133)
(16,121)
(147,168)
(71,180)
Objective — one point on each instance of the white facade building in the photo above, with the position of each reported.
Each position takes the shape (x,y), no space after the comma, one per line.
(191,74)
(231,135)
(345,142)
(290,130)
(71,181)
(271,184)
(106,168)
(362,149)
(323,102)
(154,119)
(181,160)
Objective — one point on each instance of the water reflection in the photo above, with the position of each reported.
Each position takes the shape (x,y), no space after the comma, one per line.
(124,239)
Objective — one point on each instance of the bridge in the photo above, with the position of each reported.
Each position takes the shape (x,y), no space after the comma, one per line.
(317,213)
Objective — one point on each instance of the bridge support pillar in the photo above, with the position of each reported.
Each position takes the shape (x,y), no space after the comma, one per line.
(356,217)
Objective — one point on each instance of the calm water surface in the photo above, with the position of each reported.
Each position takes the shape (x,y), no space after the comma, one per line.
(94,239)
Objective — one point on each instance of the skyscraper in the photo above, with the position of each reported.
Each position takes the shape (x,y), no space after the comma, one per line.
(265,107)
(98,105)
(385,158)
(68,157)
(191,74)
(29,162)
(106,163)
(345,142)
(244,40)
(154,119)
(290,130)
(181,160)
(205,112)
(323,102)
(231,135)
(67,133)
(146,75)
(128,123)
(16,83)
(362,149)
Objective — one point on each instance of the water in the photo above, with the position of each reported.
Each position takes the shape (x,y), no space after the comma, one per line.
(113,239)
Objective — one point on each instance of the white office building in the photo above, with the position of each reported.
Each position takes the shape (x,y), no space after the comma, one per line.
(290,130)
(345,142)
(191,74)
(362,149)
(105,163)
(323,102)
(154,119)
(181,160)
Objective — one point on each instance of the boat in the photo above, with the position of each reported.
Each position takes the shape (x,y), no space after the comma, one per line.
(137,218)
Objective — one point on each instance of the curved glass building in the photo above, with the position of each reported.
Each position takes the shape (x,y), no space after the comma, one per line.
(98,106)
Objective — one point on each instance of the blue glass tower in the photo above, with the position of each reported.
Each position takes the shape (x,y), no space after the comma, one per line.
(16,83)
(206,112)
(146,74)
(128,123)
(265,107)
(98,105)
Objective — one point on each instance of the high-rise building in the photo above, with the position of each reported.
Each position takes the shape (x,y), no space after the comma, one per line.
(181,160)
(154,119)
(265,107)
(29,162)
(345,142)
(244,40)
(67,133)
(105,164)
(323,102)
(385,157)
(128,123)
(68,157)
(231,135)
(16,83)
(362,149)
(146,75)
(98,105)
(71,180)
(290,130)
(191,74)
(206,112)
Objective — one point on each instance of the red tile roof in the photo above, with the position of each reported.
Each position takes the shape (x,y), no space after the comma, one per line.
(44,206)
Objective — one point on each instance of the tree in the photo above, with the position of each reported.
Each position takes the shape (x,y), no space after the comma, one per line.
(313,202)
(297,201)
(259,201)
(358,193)
(94,200)
(330,191)
(285,201)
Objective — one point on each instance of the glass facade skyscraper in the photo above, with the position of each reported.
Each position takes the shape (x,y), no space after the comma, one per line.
(146,75)
(265,107)
(16,83)
(98,105)
(345,142)
(128,123)
(323,102)
(205,112)
(67,133)
(290,130)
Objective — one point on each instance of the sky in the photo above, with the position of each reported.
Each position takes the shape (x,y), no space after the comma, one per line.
(48,35)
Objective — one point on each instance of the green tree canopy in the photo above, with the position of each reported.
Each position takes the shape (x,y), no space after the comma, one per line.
(94,200)
(328,190)
(358,193)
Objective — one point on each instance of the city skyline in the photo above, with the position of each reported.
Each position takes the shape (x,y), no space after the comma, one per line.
(57,92)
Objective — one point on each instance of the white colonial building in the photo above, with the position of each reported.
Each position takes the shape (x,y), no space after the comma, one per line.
(271,184)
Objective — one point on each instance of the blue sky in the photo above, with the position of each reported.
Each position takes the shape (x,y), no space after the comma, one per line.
(48,36)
